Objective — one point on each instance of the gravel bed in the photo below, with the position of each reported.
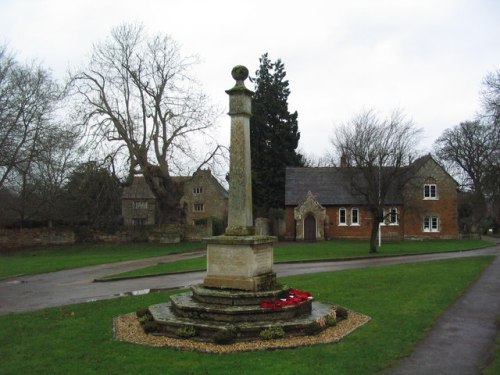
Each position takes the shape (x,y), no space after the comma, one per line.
(127,328)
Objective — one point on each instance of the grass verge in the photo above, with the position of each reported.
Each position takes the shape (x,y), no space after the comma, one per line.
(403,301)
(39,260)
(494,367)
(284,252)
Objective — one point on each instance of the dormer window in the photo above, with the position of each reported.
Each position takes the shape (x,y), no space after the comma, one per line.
(430,191)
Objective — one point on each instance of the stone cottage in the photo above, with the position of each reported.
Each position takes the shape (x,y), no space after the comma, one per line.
(204,202)
(320,203)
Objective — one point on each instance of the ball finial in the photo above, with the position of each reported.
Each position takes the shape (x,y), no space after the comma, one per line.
(239,73)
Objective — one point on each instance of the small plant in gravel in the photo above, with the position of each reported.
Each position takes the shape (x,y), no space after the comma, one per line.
(141,312)
(186,332)
(331,319)
(270,333)
(341,313)
(226,336)
(314,328)
(150,326)
(143,316)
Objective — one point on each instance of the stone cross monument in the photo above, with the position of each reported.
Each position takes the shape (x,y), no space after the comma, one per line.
(239,259)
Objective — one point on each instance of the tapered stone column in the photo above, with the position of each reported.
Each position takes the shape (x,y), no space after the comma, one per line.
(240,216)
(239,259)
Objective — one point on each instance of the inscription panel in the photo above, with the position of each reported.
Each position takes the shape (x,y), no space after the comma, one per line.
(246,260)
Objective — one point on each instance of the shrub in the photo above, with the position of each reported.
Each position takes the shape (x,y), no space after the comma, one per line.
(150,326)
(330,321)
(143,316)
(341,313)
(225,336)
(314,328)
(270,333)
(141,313)
(186,332)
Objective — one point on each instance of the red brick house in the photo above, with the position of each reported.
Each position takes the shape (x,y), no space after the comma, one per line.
(320,204)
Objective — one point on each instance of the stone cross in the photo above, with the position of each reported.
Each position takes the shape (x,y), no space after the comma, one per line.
(240,259)
(240,216)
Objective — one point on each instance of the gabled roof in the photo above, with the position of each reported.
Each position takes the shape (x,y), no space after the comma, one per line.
(331,186)
(139,189)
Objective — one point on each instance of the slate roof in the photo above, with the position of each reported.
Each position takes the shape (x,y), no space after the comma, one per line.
(139,189)
(331,187)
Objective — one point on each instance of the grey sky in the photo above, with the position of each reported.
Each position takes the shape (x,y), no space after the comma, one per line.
(425,57)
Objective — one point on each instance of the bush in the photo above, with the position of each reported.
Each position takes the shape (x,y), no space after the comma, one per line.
(226,336)
(341,313)
(141,313)
(150,326)
(330,321)
(314,328)
(272,333)
(186,332)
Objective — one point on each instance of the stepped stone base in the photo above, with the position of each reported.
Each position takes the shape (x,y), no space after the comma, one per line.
(168,323)
(207,313)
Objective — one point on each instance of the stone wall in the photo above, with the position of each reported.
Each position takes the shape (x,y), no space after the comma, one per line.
(20,238)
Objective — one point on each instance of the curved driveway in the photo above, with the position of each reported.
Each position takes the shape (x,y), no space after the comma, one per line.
(26,293)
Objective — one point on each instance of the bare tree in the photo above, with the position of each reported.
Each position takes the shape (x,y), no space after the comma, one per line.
(474,148)
(139,97)
(490,95)
(377,152)
(27,97)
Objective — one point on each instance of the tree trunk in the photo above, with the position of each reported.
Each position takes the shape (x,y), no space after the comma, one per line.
(373,237)
(168,193)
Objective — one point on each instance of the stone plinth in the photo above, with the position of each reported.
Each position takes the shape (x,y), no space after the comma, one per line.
(240,262)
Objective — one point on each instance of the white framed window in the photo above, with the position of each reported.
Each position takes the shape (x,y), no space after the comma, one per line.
(342,216)
(393,216)
(199,207)
(431,224)
(141,205)
(430,191)
(354,216)
(197,190)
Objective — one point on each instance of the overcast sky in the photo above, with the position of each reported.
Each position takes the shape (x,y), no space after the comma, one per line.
(425,57)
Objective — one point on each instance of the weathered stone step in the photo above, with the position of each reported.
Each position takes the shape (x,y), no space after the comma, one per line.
(185,306)
(170,324)
(235,297)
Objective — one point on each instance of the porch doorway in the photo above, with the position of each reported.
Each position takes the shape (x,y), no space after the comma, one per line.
(310,228)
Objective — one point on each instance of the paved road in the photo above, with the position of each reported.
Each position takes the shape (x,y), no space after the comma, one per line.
(28,293)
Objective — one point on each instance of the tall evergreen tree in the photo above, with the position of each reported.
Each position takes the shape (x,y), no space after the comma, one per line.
(274,136)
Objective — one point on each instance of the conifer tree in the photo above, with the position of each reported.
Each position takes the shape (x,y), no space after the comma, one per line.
(274,136)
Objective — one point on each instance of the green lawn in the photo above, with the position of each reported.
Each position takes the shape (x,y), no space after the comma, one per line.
(403,301)
(39,260)
(297,251)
